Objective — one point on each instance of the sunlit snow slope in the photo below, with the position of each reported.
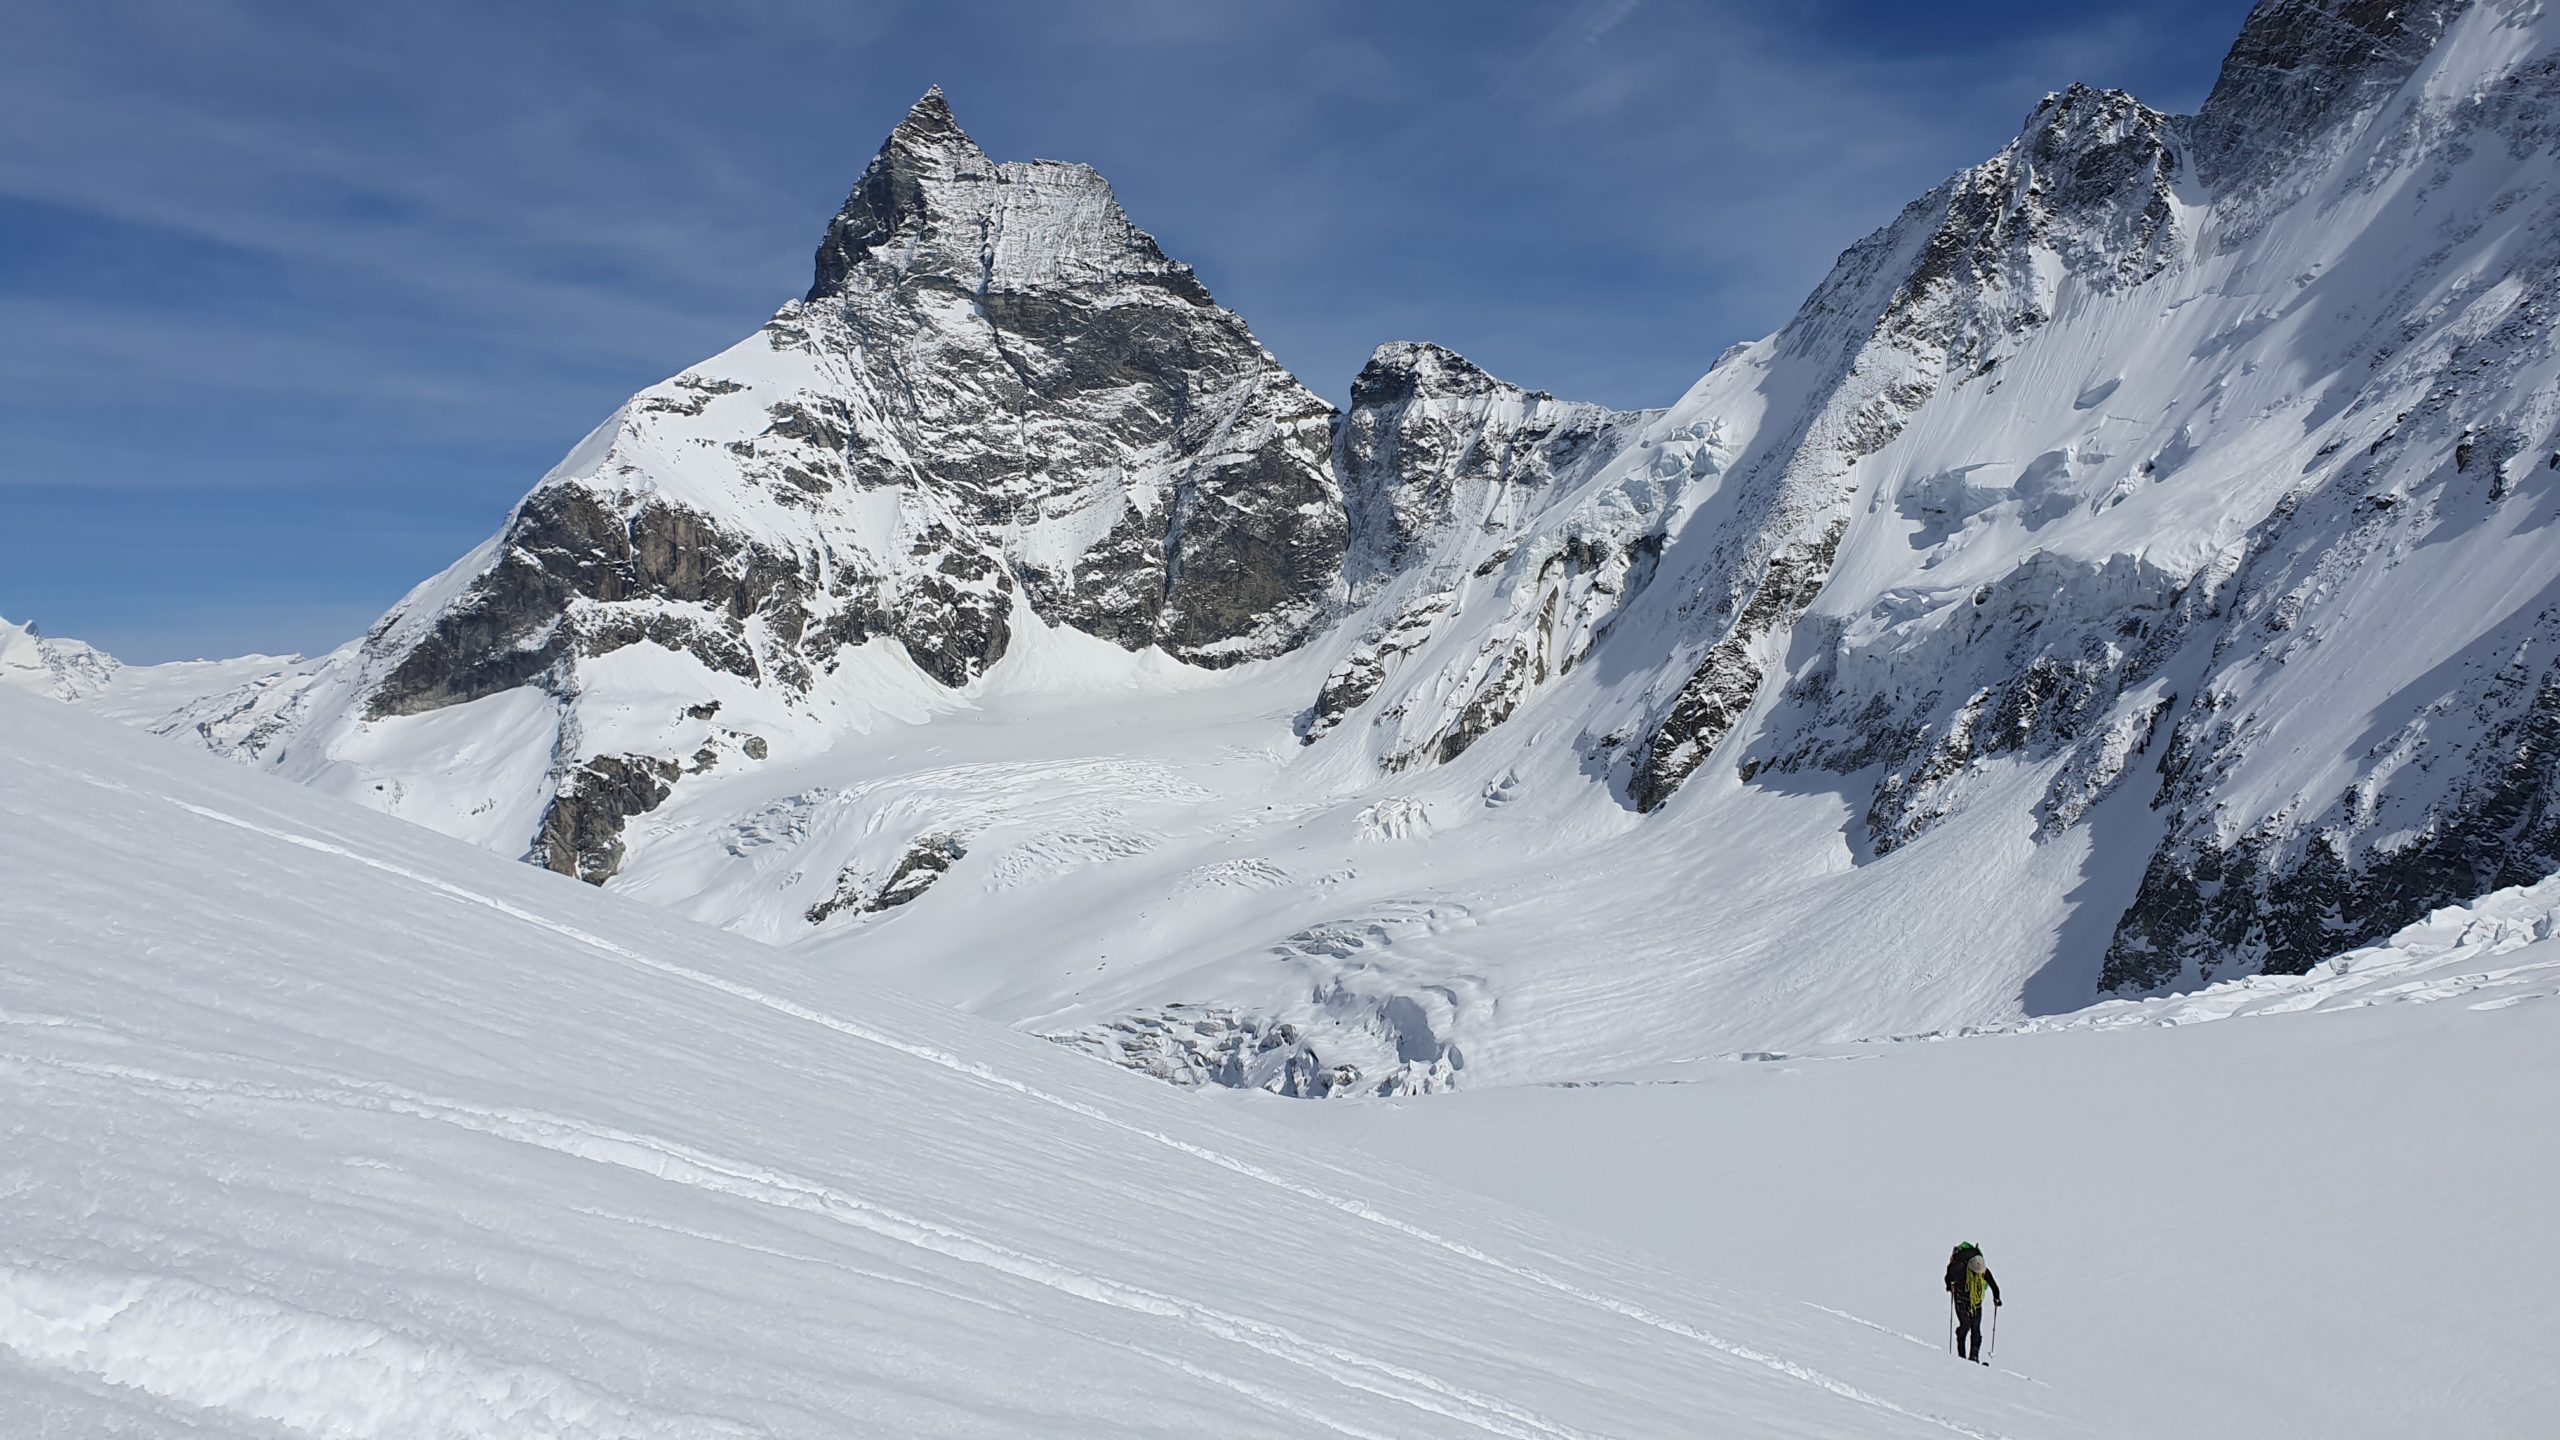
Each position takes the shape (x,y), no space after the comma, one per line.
(2321,1216)
(314,1124)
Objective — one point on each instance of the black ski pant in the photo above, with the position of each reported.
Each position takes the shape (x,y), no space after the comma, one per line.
(1968,1329)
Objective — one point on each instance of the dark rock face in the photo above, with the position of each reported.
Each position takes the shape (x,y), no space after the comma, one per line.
(1721,689)
(1208,575)
(508,629)
(581,831)
(1041,365)
(2282,897)
(2299,68)
(892,192)
(925,862)
(521,617)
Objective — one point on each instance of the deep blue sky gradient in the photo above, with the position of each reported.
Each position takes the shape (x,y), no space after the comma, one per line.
(296,300)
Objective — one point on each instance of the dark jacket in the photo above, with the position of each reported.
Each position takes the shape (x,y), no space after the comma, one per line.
(1964,1285)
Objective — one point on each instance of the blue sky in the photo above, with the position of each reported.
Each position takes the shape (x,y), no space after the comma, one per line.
(296,300)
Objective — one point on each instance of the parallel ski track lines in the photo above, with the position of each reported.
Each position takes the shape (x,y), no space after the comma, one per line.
(1269,1400)
(701,1170)
(1352,1206)
(1914,1339)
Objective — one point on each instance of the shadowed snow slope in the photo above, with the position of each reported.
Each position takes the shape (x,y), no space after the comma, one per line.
(314,1124)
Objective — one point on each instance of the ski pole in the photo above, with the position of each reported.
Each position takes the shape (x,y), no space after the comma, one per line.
(1991,1350)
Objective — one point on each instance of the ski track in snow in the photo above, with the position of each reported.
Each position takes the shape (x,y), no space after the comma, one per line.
(683,1165)
(1260,1395)
(1914,1339)
(1482,1412)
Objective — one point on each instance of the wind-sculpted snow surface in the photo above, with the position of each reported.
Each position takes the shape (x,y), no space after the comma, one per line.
(2129,570)
(319,1125)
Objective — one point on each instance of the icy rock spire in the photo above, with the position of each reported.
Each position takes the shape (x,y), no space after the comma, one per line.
(927,152)
(998,395)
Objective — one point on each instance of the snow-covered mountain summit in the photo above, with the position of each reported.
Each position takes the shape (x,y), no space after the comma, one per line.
(999,404)
(55,669)
(2125,571)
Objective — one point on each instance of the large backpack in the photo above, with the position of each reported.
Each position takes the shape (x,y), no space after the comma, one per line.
(1956,1265)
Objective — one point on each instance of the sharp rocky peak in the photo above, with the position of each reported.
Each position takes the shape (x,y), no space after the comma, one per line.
(1403,369)
(2080,116)
(999,397)
(930,115)
(932,207)
(928,149)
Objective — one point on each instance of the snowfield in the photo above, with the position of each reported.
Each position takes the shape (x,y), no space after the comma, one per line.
(2325,1218)
(319,1124)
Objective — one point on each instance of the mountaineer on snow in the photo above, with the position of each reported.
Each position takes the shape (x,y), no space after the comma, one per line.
(1968,1276)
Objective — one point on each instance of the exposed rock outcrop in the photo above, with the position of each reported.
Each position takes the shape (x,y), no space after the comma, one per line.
(581,830)
(925,862)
